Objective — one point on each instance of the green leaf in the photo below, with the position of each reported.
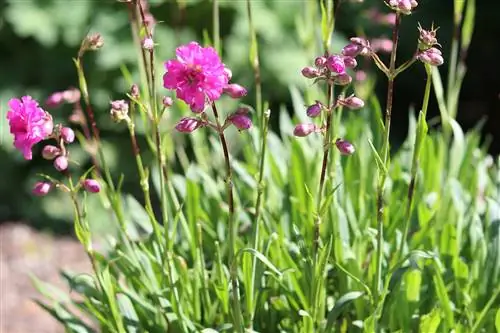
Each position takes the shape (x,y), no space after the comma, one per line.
(378,159)
(339,307)
(261,257)
(429,323)
(497,321)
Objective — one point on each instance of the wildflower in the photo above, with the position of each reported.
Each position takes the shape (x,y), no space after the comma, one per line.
(310,72)
(235,90)
(431,56)
(50,152)
(91,186)
(119,110)
(148,44)
(167,101)
(197,75)
(41,188)
(345,147)
(28,123)
(92,42)
(61,163)
(67,134)
(352,102)
(188,125)
(305,129)
(241,121)
(314,110)
(336,64)
(403,6)
(427,38)
(357,46)
(71,95)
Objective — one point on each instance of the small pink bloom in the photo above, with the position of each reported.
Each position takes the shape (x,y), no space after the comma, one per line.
(61,163)
(91,185)
(403,6)
(345,147)
(148,44)
(67,134)
(320,62)
(41,188)
(50,152)
(336,64)
(197,75)
(55,100)
(72,95)
(314,110)
(235,90)
(167,101)
(305,129)
(28,123)
(310,72)
(188,125)
(241,121)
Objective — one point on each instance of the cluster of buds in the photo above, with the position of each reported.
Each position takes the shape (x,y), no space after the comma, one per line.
(119,110)
(331,68)
(239,119)
(58,153)
(402,6)
(428,53)
(92,42)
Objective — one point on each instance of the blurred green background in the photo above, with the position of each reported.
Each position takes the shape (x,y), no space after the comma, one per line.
(38,39)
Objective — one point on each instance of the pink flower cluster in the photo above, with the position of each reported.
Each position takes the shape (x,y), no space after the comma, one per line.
(403,6)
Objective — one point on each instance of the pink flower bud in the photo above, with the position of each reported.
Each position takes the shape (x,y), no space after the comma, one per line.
(320,62)
(41,188)
(167,101)
(241,121)
(382,45)
(50,152)
(67,135)
(310,72)
(403,6)
(48,125)
(305,129)
(431,56)
(345,147)
(235,90)
(55,100)
(427,38)
(119,110)
(350,62)
(61,163)
(148,44)
(352,50)
(352,102)
(228,73)
(91,186)
(71,95)
(336,65)
(314,110)
(342,80)
(134,91)
(188,125)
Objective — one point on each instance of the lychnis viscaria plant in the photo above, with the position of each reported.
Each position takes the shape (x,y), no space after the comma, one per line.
(327,232)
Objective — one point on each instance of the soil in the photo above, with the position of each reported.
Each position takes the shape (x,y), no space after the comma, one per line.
(24,251)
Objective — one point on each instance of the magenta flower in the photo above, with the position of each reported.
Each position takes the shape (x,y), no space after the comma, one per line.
(235,90)
(197,75)
(336,64)
(91,185)
(28,123)
(314,110)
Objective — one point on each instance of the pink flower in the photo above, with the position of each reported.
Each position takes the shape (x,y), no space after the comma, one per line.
(432,56)
(314,110)
(41,188)
(61,163)
(28,123)
(67,134)
(197,75)
(336,64)
(352,102)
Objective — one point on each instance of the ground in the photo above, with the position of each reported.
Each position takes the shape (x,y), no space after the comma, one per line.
(24,250)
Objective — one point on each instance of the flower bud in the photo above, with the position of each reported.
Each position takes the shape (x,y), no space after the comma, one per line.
(91,186)
(235,90)
(352,102)
(336,65)
(188,125)
(93,42)
(50,152)
(148,44)
(48,125)
(61,163)
(305,129)
(228,73)
(342,80)
(67,134)
(55,100)
(119,110)
(314,110)
(320,62)
(41,188)
(403,6)
(350,62)
(432,56)
(72,95)
(427,38)
(345,147)
(352,50)
(240,121)
(310,72)
(134,91)
(382,45)
(167,101)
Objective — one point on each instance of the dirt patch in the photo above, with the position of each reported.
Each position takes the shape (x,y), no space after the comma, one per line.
(25,251)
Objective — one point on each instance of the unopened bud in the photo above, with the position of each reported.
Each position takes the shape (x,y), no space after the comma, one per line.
(302,130)
(240,121)
(41,188)
(320,62)
(61,163)
(148,44)
(403,6)
(352,102)
(345,147)
(427,38)
(310,72)
(336,64)
(350,62)
(188,125)
(235,90)
(50,152)
(134,91)
(314,110)
(167,101)
(93,42)
(342,80)
(91,186)
(67,134)
(119,110)
(432,56)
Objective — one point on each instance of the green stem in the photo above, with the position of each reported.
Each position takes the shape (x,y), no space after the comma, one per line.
(416,155)
(385,157)
(237,317)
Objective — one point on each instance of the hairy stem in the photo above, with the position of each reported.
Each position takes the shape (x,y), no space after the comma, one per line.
(237,318)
